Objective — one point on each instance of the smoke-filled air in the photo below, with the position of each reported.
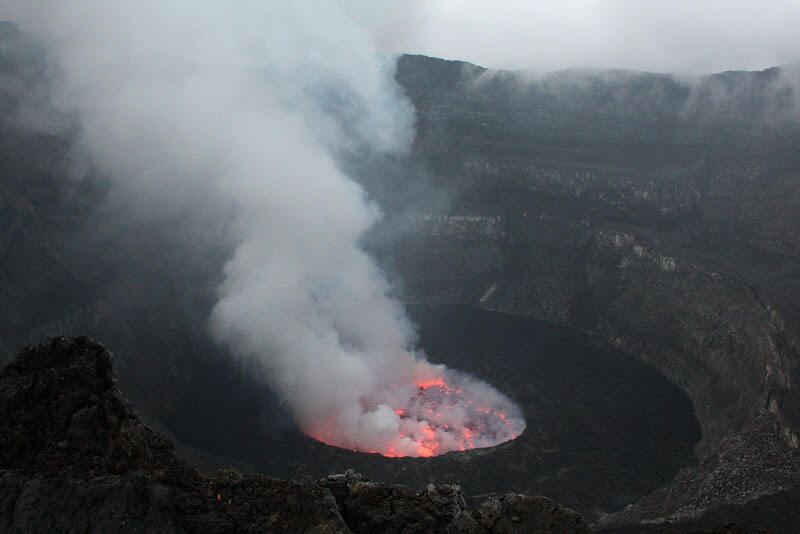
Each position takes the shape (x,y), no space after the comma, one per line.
(248,105)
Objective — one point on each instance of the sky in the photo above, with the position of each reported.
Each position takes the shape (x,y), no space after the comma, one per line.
(679,36)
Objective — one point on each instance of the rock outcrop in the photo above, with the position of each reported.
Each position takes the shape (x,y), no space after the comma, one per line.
(74,457)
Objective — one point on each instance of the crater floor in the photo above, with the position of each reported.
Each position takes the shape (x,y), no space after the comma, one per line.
(602,428)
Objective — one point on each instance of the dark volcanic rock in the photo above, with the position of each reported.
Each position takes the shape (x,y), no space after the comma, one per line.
(369,506)
(514,513)
(254,503)
(131,503)
(74,457)
(377,507)
(60,414)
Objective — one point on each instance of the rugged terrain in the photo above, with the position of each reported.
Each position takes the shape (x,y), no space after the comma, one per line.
(659,215)
(656,214)
(74,457)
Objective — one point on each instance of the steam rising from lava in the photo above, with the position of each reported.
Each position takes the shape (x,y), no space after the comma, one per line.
(439,410)
(245,106)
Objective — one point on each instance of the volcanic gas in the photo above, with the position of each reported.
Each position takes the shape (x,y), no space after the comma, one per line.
(439,411)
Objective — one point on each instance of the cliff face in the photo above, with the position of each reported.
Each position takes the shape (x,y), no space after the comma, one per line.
(75,457)
(665,227)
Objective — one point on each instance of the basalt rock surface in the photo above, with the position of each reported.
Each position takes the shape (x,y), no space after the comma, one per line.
(74,457)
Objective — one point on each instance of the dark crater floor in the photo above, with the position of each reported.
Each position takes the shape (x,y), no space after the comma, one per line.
(602,428)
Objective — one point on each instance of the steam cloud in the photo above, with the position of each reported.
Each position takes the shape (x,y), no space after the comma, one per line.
(248,104)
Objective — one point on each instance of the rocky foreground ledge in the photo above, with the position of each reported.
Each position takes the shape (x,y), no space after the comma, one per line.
(74,457)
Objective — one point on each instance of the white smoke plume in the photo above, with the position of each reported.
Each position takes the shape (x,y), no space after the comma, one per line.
(247,103)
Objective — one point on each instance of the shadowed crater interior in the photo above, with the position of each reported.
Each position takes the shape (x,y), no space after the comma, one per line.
(602,428)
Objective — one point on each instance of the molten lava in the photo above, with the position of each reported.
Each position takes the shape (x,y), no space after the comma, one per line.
(430,416)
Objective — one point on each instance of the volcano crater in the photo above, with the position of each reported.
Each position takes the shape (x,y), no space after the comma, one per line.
(602,428)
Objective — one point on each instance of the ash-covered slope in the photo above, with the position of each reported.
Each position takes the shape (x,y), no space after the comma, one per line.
(656,213)
(74,457)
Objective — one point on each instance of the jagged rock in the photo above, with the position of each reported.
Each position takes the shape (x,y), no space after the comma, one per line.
(61,414)
(132,503)
(521,513)
(257,503)
(75,457)
(369,506)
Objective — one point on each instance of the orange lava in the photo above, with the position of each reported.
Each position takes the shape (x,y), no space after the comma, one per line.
(431,383)
(435,418)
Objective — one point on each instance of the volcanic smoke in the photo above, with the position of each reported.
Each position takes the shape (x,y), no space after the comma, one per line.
(440,410)
(231,118)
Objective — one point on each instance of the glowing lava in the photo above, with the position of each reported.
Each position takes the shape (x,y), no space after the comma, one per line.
(431,415)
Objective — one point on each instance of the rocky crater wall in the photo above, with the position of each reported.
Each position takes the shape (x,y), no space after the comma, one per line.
(674,240)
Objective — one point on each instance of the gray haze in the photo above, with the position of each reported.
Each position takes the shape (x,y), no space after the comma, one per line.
(682,36)
(245,106)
